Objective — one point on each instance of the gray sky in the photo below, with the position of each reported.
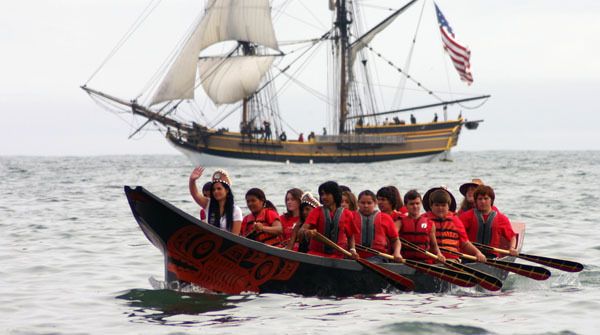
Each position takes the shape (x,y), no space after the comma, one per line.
(538,59)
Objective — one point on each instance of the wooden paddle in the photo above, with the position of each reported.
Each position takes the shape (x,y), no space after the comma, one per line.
(486,281)
(455,277)
(530,271)
(395,279)
(560,264)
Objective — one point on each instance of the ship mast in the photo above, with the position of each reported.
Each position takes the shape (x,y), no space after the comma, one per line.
(247,50)
(342,22)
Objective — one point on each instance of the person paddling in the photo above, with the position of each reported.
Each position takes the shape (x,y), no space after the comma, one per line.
(449,230)
(387,201)
(292,214)
(307,204)
(375,229)
(262,224)
(467,190)
(332,221)
(222,211)
(206,192)
(484,224)
(418,229)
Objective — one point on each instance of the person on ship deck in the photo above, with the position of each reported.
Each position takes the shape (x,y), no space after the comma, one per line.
(262,224)
(485,225)
(332,221)
(418,229)
(375,229)
(222,211)
(449,230)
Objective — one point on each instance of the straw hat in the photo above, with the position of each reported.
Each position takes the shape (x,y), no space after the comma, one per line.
(465,187)
(426,204)
(221,176)
(307,198)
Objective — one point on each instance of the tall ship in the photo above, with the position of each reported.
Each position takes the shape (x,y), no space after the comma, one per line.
(235,65)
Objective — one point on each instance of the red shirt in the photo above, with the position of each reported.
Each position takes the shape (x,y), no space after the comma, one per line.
(403,210)
(266,216)
(385,231)
(502,231)
(288,222)
(316,220)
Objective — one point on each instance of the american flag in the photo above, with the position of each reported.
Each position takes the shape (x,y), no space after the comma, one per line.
(460,54)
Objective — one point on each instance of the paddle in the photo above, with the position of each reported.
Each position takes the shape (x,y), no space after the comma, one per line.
(271,240)
(560,264)
(530,271)
(486,281)
(395,279)
(455,277)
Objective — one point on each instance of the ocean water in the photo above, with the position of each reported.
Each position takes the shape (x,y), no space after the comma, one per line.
(73,260)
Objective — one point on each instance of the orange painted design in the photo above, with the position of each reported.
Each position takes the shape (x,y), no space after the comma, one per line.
(199,257)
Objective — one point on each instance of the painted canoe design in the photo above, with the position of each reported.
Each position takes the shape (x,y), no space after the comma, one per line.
(200,254)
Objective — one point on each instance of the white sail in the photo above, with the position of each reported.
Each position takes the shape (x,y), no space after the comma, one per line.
(227,80)
(365,39)
(225,20)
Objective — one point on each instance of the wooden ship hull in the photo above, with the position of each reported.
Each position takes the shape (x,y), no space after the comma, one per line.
(196,253)
(367,144)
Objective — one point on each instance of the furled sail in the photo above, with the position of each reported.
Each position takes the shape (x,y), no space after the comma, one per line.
(365,39)
(227,80)
(225,20)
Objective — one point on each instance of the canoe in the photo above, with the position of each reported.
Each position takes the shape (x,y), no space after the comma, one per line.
(205,256)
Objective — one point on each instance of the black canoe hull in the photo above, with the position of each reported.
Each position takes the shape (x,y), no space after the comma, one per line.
(203,255)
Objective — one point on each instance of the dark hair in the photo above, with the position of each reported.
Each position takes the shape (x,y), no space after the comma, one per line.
(302,207)
(465,205)
(214,215)
(207,186)
(297,195)
(367,193)
(331,187)
(388,193)
(440,197)
(351,199)
(411,195)
(345,188)
(485,190)
(399,202)
(260,195)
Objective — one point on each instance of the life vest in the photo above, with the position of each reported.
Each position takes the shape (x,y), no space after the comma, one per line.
(447,235)
(484,227)
(416,231)
(372,232)
(332,227)
(266,217)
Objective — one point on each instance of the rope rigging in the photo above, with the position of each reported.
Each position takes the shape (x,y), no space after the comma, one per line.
(136,24)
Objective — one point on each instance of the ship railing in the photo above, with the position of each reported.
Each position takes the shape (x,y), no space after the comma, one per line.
(353,138)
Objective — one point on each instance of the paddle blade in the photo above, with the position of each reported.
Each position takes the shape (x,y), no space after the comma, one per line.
(395,279)
(486,281)
(530,271)
(455,277)
(556,263)
(560,264)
